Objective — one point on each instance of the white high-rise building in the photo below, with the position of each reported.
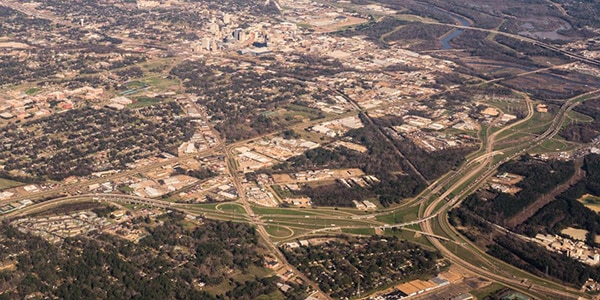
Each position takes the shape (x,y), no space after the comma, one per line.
(206,43)
(214,28)
(226,18)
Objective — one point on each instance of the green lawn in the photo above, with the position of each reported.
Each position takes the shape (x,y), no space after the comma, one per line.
(32,90)
(510,107)
(579,117)
(135,84)
(209,206)
(232,208)
(399,216)
(276,295)
(222,288)
(298,110)
(409,236)
(6,183)
(361,231)
(555,144)
(143,102)
(486,291)
(536,125)
(413,18)
(278,231)
(281,192)
(161,83)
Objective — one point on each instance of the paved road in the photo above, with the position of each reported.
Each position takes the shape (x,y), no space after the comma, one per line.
(434,208)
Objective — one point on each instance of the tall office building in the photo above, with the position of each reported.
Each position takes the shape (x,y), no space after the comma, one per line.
(214,28)
(206,43)
(226,18)
(238,34)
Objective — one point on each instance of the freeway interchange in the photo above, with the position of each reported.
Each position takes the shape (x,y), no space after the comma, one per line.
(433,205)
(476,175)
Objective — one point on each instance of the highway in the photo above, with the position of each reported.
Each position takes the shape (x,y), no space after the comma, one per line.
(456,184)
(235,175)
(434,202)
(441,205)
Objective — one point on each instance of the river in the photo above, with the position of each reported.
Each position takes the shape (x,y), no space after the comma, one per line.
(456,32)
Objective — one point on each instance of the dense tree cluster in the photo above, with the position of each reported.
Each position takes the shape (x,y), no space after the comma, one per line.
(257,7)
(237,101)
(167,264)
(396,180)
(78,52)
(17,22)
(473,219)
(567,210)
(432,164)
(584,132)
(583,13)
(341,264)
(264,287)
(479,46)
(540,178)
(115,17)
(527,48)
(81,141)
(427,34)
(202,173)
(241,101)
(372,30)
(129,73)
(534,258)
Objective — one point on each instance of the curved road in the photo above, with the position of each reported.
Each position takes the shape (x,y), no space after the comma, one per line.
(434,209)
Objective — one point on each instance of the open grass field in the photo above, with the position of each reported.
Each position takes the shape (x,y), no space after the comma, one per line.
(413,18)
(205,206)
(6,183)
(32,90)
(512,106)
(159,64)
(591,202)
(399,216)
(486,291)
(161,83)
(278,231)
(536,125)
(576,117)
(293,110)
(282,193)
(409,236)
(555,144)
(276,295)
(231,208)
(143,102)
(360,231)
